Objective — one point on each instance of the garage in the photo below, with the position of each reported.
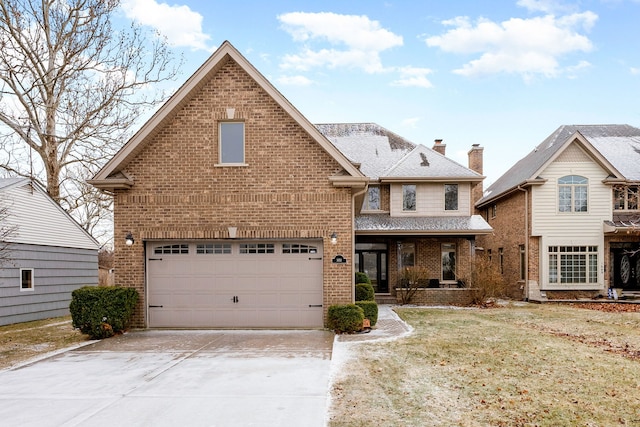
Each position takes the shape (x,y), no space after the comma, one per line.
(234,284)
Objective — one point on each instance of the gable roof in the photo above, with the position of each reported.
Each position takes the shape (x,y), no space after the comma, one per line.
(111,175)
(615,147)
(38,219)
(386,156)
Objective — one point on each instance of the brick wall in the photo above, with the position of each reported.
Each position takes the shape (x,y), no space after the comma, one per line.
(284,192)
(509,233)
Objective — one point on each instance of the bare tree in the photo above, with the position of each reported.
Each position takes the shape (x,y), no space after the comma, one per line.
(7,232)
(71,86)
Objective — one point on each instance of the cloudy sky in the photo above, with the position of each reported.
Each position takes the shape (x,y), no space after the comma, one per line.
(504,74)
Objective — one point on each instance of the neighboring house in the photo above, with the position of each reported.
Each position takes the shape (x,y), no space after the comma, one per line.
(418,211)
(566,216)
(241,213)
(48,254)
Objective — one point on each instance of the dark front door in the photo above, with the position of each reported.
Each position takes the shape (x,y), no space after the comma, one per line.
(374,264)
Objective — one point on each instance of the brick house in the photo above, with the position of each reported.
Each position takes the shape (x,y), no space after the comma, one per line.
(232,210)
(418,211)
(566,216)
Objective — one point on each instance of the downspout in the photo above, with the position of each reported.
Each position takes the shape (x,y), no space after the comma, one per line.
(526,242)
(353,240)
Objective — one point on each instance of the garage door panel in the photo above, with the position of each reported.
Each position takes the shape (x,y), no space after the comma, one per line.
(235,289)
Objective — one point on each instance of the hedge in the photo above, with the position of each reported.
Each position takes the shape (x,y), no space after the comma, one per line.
(102,311)
(365,292)
(370,309)
(362,277)
(345,318)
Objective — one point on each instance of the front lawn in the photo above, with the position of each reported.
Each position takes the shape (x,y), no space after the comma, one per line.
(531,365)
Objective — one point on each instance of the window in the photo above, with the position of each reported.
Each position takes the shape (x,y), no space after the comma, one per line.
(451,197)
(257,248)
(213,248)
(294,248)
(232,142)
(572,193)
(448,261)
(409,197)
(407,255)
(493,209)
(573,264)
(501,259)
(26,279)
(625,197)
(172,249)
(372,200)
(489,255)
(523,262)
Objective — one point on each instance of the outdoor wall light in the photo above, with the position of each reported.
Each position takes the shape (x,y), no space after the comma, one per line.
(334,238)
(128,240)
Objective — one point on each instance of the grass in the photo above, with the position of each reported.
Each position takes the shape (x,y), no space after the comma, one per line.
(23,341)
(533,365)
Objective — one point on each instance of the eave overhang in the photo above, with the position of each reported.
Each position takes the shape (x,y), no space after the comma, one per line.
(449,179)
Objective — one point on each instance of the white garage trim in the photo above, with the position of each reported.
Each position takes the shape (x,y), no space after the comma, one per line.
(234,284)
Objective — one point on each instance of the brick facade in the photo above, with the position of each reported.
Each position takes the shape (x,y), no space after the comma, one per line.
(509,233)
(283,192)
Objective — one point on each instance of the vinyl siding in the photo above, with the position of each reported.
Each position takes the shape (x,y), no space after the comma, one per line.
(40,221)
(566,228)
(57,272)
(430,200)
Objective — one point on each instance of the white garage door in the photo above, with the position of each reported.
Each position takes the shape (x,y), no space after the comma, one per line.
(224,284)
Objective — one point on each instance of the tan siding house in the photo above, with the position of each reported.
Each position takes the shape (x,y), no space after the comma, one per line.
(566,216)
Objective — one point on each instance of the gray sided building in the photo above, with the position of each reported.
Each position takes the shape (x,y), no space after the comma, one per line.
(45,256)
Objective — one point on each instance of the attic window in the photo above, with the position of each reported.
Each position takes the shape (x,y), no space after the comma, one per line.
(231,143)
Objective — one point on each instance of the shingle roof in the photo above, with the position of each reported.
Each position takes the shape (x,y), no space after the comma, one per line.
(382,153)
(435,225)
(375,148)
(619,144)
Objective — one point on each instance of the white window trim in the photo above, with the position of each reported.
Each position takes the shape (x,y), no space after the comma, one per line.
(33,284)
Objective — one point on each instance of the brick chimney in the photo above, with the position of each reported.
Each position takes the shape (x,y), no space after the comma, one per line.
(476,164)
(439,146)
(475,158)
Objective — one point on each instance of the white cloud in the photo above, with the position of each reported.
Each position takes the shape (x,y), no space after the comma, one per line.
(179,24)
(356,41)
(410,122)
(522,46)
(413,77)
(294,81)
(634,70)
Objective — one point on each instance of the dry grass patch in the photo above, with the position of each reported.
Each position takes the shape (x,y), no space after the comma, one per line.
(23,341)
(538,365)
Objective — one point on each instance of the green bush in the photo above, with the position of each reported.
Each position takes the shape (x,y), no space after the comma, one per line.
(365,292)
(362,277)
(345,318)
(103,311)
(370,309)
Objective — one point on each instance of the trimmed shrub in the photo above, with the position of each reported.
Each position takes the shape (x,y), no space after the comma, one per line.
(101,312)
(345,318)
(370,309)
(362,277)
(365,292)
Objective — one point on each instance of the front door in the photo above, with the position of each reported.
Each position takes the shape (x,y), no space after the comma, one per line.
(372,260)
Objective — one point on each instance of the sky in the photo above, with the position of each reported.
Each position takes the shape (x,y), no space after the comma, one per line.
(502,74)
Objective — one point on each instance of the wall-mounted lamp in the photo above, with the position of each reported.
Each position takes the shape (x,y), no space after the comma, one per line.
(129,240)
(334,238)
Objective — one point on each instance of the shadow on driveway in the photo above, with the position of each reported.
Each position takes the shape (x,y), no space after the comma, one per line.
(168,378)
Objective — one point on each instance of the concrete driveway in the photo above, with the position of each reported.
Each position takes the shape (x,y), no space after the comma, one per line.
(176,378)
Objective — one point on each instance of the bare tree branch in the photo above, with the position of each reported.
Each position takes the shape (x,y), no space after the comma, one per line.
(71,87)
